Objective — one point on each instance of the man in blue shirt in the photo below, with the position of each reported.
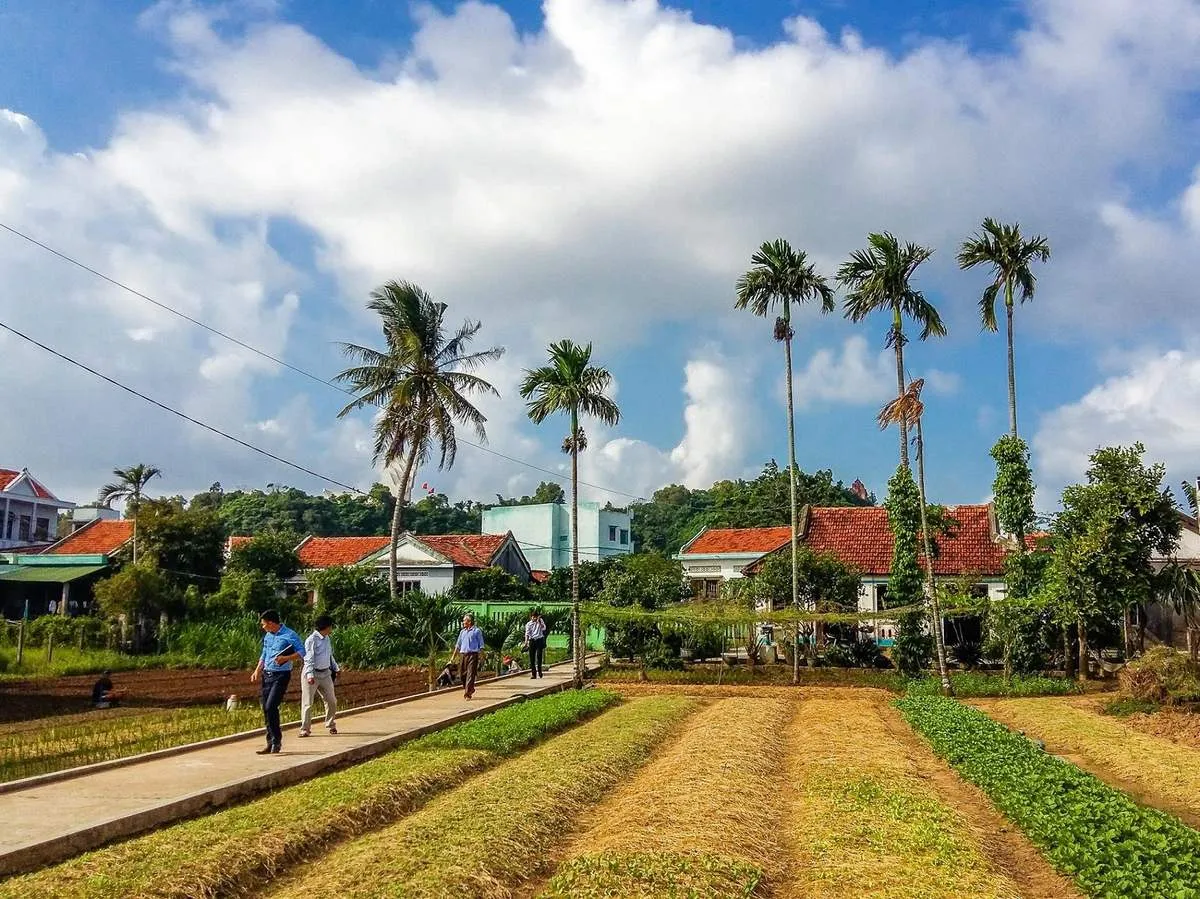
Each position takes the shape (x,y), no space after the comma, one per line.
(281,646)
(468,645)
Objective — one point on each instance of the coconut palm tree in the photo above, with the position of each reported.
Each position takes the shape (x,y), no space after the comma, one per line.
(780,275)
(878,278)
(422,381)
(1181,588)
(130,487)
(1009,254)
(571,385)
(907,409)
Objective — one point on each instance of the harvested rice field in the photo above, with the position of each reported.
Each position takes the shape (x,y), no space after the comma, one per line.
(1155,770)
(654,791)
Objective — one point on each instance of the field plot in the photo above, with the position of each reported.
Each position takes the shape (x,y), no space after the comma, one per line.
(232,852)
(872,813)
(491,835)
(697,820)
(1155,770)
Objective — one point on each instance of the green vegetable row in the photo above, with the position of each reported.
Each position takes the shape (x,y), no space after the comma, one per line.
(1109,844)
(235,851)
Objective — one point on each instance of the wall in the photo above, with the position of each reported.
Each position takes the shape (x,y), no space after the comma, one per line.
(544,532)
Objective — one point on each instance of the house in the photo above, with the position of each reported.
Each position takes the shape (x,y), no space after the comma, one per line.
(59,579)
(428,563)
(544,531)
(860,537)
(28,511)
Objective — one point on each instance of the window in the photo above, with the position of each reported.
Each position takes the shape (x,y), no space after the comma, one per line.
(612,533)
(881,596)
(624,537)
(712,589)
(408,586)
(979,591)
(43,529)
(24,528)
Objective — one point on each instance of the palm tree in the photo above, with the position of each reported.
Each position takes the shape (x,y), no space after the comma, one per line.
(430,619)
(421,380)
(570,384)
(1181,586)
(908,410)
(878,278)
(780,274)
(1192,497)
(1009,254)
(130,487)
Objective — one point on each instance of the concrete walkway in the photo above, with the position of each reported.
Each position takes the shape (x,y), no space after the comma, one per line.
(51,818)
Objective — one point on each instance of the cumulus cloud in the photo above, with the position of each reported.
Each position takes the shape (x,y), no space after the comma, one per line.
(602,175)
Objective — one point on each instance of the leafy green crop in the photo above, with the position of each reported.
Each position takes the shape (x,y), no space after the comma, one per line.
(1089,831)
(971,685)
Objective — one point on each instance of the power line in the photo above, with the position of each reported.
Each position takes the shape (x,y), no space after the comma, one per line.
(176,412)
(265,355)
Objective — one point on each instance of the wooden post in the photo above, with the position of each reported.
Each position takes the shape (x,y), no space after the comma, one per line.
(50,646)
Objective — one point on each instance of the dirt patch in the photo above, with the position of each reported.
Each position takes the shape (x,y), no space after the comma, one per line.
(22,700)
(1009,850)
(1171,724)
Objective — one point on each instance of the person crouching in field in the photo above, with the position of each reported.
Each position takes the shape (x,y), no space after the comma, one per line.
(320,670)
(281,646)
(469,645)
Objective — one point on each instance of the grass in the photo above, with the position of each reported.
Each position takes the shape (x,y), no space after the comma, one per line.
(1108,843)
(867,820)
(237,850)
(1155,765)
(68,661)
(968,685)
(492,834)
(777,675)
(71,740)
(696,821)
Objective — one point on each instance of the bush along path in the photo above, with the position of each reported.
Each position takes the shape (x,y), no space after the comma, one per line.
(1110,845)
(493,834)
(232,852)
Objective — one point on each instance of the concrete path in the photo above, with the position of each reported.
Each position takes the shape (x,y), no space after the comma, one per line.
(51,818)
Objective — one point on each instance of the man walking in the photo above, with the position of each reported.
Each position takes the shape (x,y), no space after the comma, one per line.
(281,646)
(535,640)
(320,669)
(468,645)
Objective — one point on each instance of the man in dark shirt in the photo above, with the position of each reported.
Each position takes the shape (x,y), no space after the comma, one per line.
(103,694)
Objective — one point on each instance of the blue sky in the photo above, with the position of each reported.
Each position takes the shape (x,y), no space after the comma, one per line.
(602,170)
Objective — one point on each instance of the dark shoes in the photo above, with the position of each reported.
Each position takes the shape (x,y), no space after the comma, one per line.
(267,750)
(333,728)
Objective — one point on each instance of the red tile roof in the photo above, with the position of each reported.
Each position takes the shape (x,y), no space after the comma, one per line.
(538,576)
(323,552)
(739,540)
(238,540)
(466,550)
(7,476)
(94,538)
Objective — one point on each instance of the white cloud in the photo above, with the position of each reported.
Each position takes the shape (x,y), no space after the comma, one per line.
(856,376)
(1153,402)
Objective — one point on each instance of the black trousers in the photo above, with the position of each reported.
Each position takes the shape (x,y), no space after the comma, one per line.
(274,685)
(537,654)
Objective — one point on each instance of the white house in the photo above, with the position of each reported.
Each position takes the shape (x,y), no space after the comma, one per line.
(428,563)
(28,511)
(544,532)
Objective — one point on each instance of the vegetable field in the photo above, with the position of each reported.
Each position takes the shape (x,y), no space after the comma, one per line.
(653,790)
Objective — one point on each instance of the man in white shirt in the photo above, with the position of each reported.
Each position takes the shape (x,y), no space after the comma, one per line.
(535,641)
(320,669)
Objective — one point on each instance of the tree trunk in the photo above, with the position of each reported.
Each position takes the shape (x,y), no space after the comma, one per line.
(1127,632)
(432,665)
(135,539)
(397,518)
(791,431)
(1068,655)
(576,643)
(1083,669)
(898,340)
(939,638)
(1012,367)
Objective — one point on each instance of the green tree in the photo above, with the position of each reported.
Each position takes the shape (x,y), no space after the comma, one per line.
(1105,538)
(188,546)
(780,275)
(908,410)
(1181,588)
(490,584)
(878,279)
(350,592)
(571,385)
(271,553)
(546,492)
(139,594)
(1009,254)
(422,381)
(826,584)
(130,486)
(904,580)
(431,619)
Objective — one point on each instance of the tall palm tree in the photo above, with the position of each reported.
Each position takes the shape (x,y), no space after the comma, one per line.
(130,487)
(570,384)
(878,278)
(908,410)
(1009,254)
(422,381)
(781,275)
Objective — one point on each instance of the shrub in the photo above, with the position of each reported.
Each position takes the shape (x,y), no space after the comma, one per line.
(967,654)
(1161,675)
(1101,837)
(838,656)
(969,686)
(913,648)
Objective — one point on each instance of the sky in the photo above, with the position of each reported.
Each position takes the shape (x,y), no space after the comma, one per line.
(600,170)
